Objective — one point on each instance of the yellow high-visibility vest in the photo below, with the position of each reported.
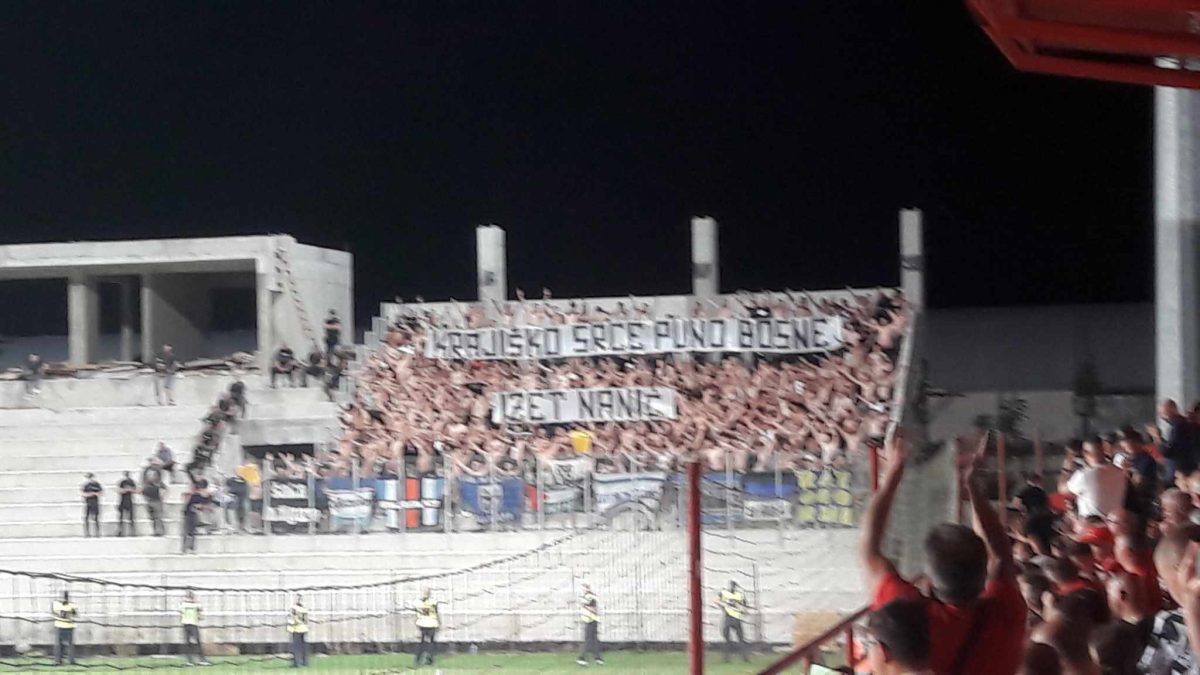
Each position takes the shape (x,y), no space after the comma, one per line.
(590,610)
(189,613)
(298,620)
(427,614)
(734,604)
(64,614)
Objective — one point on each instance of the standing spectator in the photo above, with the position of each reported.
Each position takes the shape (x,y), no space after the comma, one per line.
(194,501)
(64,626)
(1099,487)
(1143,471)
(900,633)
(284,364)
(239,493)
(189,616)
(1176,441)
(166,366)
(153,492)
(91,492)
(126,488)
(334,365)
(167,459)
(33,371)
(237,393)
(333,331)
(977,613)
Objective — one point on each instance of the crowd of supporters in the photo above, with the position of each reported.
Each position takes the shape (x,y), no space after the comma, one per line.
(1093,573)
(758,413)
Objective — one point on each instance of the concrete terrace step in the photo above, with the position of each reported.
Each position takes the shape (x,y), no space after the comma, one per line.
(70,493)
(77,416)
(130,459)
(114,431)
(74,527)
(57,511)
(58,478)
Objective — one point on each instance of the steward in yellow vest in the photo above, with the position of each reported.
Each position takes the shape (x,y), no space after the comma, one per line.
(298,627)
(64,627)
(589,614)
(428,622)
(732,601)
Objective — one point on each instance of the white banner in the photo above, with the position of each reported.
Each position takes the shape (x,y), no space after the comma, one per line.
(554,406)
(624,490)
(350,504)
(797,336)
(292,515)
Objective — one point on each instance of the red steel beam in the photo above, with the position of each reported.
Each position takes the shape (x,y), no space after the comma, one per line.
(695,573)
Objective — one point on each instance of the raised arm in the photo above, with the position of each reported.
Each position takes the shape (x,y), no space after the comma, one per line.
(987,521)
(875,565)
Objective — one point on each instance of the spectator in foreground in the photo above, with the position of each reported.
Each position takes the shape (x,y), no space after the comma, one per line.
(1169,650)
(977,614)
(1099,487)
(900,630)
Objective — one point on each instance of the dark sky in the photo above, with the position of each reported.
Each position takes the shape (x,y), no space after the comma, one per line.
(590,130)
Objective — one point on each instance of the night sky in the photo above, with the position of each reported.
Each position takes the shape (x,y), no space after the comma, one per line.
(590,130)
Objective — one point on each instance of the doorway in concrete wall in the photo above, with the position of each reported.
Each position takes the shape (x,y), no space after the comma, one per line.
(33,319)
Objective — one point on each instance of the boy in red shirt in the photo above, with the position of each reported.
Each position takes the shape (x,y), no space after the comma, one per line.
(977,612)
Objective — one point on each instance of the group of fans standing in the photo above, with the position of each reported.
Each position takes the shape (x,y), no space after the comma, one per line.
(1095,575)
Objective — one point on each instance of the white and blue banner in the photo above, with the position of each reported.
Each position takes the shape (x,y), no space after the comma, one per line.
(803,335)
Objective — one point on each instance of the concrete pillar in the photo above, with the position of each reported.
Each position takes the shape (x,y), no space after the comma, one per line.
(912,256)
(83,318)
(706,269)
(126,311)
(265,321)
(490,265)
(1176,215)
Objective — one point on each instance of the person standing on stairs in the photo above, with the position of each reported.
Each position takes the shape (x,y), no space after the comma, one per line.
(91,492)
(126,488)
(333,331)
(165,366)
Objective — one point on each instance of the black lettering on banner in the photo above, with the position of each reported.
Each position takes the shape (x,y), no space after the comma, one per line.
(696,333)
(781,328)
(439,344)
(604,404)
(579,339)
(536,401)
(635,329)
(823,332)
(516,343)
(456,345)
(553,345)
(618,336)
(533,343)
(802,332)
(649,404)
(587,403)
(557,397)
(662,335)
(516,405)
(599,341)
(716,334)
(678,334)
(623,404)
(472,343)
(745,329)
(762,335)
(488,343)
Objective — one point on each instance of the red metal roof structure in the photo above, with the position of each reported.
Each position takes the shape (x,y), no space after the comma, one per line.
(1132,41)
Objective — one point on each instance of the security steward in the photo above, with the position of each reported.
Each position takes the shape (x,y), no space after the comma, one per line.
(189,616)
(64,627)
(428,622)
(589,614)
(297,627)
(733,602)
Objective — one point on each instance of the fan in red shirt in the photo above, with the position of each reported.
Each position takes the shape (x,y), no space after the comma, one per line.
(977,613)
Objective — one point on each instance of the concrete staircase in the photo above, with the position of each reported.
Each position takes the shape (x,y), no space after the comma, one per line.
(47,447)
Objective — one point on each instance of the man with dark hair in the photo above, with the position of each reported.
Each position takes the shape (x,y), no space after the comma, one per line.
(333,331)
(900,630)
(284,364)
(1099,488)
(64,628)
(1176,441)
(977,614)
(315,368)
(91,492)
(127,488)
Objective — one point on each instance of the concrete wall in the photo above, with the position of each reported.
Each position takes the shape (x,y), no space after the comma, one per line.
(54,347)
(175,311)
(1050,413)
(324,281)
(1040,348)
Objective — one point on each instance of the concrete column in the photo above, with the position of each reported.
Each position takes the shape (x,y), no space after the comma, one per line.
(1176,215)
(490,256)
(265,322)
(912,256)
(83,318)
(126,309)
(150,338)
(706,269)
